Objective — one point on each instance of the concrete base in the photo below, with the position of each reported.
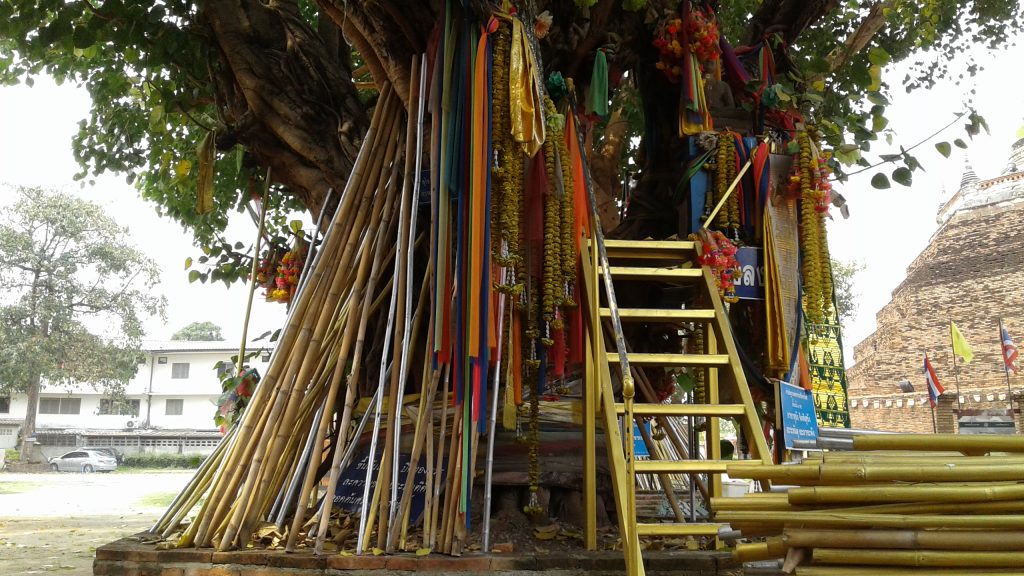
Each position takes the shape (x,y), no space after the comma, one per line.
(127,557)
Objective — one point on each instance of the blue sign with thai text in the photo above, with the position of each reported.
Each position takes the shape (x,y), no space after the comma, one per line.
(799,421)
(750,285)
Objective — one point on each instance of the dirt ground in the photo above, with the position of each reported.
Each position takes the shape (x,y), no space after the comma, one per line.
(53,522)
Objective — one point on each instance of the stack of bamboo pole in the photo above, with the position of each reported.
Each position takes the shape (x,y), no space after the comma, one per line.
(263,470)
(914,504)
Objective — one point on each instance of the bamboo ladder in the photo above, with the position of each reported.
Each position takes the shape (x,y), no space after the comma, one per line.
(672,263)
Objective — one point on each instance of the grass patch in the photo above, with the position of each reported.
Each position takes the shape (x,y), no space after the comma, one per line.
(17,487)
(157,499)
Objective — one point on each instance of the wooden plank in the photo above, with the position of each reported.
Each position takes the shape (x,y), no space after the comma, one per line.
(654,274)
(704,410)
(672,360)
(667,529)
(682,466)
(661,315)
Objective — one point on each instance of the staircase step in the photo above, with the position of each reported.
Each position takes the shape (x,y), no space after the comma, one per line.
(683,409)
(672,360)
(678,529)
(665,249)
(655,274)
(682,466)
(661,315)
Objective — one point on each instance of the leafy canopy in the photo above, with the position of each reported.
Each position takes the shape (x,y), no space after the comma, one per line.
(199,331)
(159,82)
(75,294)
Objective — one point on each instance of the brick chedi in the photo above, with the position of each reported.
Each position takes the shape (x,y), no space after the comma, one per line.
(972,273)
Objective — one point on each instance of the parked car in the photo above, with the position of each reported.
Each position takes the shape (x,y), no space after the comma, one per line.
(81,460)
(113,453)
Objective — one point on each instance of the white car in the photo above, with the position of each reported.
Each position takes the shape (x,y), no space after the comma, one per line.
(85,461)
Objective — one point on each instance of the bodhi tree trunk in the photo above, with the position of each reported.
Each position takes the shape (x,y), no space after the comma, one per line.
(28,428)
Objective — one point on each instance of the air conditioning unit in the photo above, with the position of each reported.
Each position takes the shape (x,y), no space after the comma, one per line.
(129,424)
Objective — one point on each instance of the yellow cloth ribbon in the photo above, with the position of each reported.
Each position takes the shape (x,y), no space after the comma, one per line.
(525,100)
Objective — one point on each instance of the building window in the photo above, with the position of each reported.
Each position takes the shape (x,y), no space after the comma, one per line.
(6,431)
(161,360)
(225,368)
(174,407)
(5,404)
(179,370)
(109,406)
(60,405)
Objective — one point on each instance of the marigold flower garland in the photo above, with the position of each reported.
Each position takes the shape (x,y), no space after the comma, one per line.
(508,174)
(810,181)
(725,173)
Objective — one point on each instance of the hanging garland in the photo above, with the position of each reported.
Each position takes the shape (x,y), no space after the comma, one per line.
(507,170)
(552,286)
(810,181)
(725,172)
(719,254)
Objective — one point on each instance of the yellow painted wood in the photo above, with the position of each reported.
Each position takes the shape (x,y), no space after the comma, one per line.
(903,493)
(685,409)
(712,431)
(678,529)
(683,466)
(654,274)
(672,360)
(622,482)
(750,425)
(589,448)
(661,315)
(668,249)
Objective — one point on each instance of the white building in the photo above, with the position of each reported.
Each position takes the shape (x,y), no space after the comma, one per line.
(168,405)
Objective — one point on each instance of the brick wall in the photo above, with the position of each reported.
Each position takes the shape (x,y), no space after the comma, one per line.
(971,272)
(912,412)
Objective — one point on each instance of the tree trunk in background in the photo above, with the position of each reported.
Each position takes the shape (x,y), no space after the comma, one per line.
(28,428)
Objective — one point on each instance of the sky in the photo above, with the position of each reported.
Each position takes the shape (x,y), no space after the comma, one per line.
(886,230)
(37,124)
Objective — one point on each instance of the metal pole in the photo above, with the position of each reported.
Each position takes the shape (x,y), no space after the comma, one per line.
(488,472)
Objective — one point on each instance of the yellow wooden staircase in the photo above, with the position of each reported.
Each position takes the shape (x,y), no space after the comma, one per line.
(631,266)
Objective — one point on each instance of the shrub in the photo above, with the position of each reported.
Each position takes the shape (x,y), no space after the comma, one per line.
(12,455)
(158,460)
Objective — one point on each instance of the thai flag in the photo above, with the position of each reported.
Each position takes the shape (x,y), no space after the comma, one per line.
(1009,351)
(934,388)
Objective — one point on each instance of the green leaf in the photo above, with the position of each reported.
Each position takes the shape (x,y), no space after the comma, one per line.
(960,143)
(878,56)
(880,181)
(878,123)
(902,175)
(943,148)
(188,263)
(295,225)
(193,276)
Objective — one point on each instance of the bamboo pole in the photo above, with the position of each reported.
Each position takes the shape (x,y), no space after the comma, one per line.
(252,273)
(905,539)
(971,444)
(873,571)
(910,493)
(919,558)
(987,522)
(350,334)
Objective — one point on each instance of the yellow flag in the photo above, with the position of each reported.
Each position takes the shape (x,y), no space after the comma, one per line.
(960,346)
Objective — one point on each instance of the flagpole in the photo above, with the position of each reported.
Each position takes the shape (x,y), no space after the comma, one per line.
(935,428)
(956,371)
(1006,369)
